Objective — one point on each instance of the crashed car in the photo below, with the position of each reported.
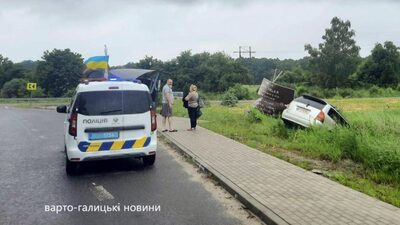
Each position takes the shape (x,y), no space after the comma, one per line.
(309,111)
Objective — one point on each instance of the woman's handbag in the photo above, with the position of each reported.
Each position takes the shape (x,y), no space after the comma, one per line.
(199,113)
(185,103)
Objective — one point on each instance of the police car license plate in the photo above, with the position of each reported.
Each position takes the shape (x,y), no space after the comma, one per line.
(104,135)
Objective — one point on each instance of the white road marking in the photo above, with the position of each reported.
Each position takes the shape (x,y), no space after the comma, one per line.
(42,137)
(101,193)
(34,130)
(6,107)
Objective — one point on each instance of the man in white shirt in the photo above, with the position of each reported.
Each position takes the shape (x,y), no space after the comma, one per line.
(167,104)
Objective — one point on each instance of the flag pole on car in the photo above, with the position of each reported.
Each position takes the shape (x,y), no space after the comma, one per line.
(106,69)
(96,67)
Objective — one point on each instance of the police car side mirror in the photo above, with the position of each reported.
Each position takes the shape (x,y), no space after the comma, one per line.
(62,109)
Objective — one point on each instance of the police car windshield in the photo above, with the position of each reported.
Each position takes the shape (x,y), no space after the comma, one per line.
(112,102)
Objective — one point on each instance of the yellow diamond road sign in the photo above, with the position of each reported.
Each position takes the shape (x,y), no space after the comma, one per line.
(31,86)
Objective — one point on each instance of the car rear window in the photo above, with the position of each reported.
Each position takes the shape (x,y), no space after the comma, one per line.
(112,102)
(310,102)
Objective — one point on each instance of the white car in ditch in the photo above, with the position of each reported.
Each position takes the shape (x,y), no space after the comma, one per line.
(309,111)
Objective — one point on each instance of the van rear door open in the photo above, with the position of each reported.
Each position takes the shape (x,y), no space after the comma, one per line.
(148,77)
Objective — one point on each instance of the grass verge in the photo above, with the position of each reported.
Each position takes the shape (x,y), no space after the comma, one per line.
(42,103)
(365,156)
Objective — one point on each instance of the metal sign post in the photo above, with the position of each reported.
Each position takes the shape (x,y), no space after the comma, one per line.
(31,87)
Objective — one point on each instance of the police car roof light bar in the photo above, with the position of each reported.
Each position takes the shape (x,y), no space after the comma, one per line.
(87,80)
(129,80)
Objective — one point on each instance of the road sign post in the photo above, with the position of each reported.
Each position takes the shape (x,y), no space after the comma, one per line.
(31,87)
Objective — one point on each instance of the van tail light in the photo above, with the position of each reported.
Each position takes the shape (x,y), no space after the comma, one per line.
(153,115)
(73,124)
(320,117)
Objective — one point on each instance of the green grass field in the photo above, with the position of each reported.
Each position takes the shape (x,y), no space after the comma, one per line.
(365,156)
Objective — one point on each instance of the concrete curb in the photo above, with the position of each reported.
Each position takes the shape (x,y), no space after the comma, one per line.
(263,212)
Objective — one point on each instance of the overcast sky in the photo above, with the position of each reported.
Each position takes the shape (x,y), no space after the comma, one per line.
(132,29)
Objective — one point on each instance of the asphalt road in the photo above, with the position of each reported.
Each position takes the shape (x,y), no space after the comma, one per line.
(32,175)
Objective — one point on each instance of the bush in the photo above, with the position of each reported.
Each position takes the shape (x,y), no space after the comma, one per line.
(301,90)
(345,92)
(328,93)
(254,115)
(229,99)
(374,90)
(39,93)
(361,93)
(388,92)
(15,88)
(240,91)
(315,92)
(69,93)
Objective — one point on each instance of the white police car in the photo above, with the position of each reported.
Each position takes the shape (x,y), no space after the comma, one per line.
(109,119)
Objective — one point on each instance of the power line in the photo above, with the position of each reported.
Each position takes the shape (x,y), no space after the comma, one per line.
(244,50)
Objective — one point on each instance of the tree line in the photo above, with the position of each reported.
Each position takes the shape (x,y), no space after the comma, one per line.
(334,63)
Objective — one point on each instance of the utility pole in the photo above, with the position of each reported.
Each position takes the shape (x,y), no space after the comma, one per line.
(240,52)
(244,49)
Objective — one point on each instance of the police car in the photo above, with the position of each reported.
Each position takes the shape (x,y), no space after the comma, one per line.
(107,120)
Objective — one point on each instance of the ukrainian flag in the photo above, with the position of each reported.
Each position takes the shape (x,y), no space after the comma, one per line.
(96,62)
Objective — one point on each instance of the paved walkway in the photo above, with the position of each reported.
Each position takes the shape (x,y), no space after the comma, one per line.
(278,191)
